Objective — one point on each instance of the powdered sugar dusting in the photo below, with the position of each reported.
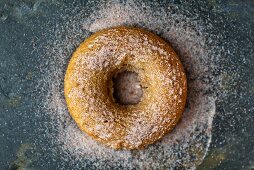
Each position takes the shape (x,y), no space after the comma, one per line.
(187,145)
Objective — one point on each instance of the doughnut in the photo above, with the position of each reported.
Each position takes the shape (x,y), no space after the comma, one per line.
(125,87)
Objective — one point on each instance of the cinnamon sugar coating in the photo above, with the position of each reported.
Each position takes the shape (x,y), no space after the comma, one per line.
(88,87)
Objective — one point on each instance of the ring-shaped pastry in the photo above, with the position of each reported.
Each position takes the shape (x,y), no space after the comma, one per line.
(159,92)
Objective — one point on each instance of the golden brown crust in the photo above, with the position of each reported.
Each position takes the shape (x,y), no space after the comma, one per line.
(88,87)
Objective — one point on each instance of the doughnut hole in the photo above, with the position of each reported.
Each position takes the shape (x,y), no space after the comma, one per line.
(127,89)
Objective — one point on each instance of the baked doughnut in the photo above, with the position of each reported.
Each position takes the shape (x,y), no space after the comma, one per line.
(125,87)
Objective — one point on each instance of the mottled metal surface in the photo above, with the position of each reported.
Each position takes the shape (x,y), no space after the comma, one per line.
(23,28)
(127,89)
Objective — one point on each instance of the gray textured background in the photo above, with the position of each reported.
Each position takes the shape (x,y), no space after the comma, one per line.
(22,141)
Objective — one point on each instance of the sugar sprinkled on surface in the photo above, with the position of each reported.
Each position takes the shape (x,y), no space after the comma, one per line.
(187,145)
